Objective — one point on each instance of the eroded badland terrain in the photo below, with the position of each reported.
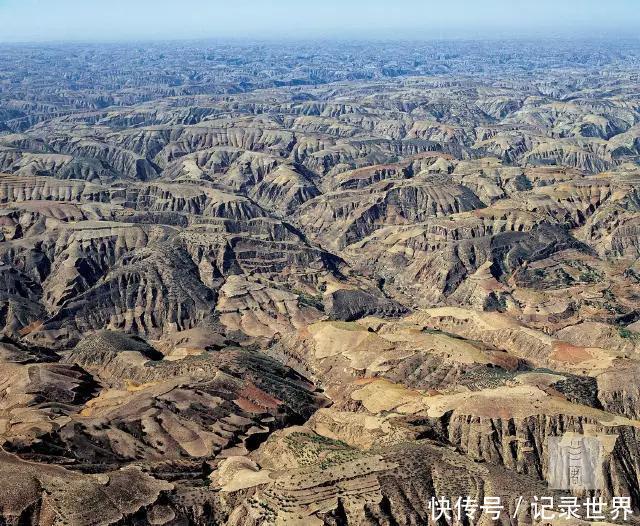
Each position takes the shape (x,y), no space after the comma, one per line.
(313,284)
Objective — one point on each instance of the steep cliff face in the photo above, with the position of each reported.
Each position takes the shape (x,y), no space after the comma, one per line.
(519,439)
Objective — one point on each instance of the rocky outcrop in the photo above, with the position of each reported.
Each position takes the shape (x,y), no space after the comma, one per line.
(349,305)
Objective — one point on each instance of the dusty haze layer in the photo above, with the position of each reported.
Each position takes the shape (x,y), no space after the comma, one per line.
(124,20)
(315,283)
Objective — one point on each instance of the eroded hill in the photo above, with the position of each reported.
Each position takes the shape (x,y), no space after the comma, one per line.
(252,286)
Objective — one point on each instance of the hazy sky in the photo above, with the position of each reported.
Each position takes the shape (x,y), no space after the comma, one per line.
(55,20)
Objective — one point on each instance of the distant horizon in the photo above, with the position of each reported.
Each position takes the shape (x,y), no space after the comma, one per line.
(248,39)
(122,21)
